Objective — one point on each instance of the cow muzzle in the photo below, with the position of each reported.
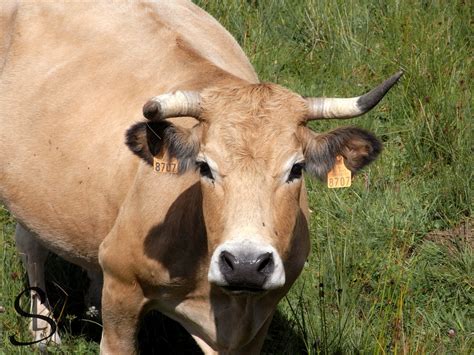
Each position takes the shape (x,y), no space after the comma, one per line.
(246,267)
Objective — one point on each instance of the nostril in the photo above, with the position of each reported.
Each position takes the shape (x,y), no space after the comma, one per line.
(227,261)
(265,263)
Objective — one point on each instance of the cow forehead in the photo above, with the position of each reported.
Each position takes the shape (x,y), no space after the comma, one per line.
(253,103)
(252,123)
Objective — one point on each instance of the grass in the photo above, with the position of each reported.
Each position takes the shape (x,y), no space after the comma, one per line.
(378,279)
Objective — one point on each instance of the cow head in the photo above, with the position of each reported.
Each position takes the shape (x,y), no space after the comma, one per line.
(250,147)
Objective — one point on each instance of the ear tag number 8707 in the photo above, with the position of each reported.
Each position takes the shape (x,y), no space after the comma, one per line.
(339,175)
(165,165)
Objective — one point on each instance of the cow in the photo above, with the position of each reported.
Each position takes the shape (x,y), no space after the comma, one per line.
(193,204)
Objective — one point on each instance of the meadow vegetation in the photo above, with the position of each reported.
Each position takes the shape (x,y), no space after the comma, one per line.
(392,265)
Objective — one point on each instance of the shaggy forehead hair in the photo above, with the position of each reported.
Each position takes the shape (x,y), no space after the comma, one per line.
(251,121)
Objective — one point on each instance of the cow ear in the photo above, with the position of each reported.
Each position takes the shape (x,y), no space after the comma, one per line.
(154,138)
(358,147)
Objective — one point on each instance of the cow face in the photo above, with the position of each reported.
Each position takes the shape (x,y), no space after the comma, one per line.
(250,150)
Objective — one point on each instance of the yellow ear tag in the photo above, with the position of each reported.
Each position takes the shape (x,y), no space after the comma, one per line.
(339,175)
(165,165)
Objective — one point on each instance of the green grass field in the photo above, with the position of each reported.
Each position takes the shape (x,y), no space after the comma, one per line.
(392,262)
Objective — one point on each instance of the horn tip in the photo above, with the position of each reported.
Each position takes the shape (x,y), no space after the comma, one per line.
(373,97)
(151,110)
(398,75)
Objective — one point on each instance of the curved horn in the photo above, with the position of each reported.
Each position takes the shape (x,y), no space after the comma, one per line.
(176,104)
(322,107)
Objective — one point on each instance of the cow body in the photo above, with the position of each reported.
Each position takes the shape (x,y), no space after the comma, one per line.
(214,247)
(66,174)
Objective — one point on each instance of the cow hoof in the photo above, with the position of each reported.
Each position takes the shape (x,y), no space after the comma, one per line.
(43,333)
(43,340)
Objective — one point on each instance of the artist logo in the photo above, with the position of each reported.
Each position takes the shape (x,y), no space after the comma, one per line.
(42,296)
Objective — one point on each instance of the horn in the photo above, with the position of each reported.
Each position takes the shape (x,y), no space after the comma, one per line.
(327,108)
(175,104)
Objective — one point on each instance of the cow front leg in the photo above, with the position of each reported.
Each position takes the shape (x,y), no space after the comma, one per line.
(34,255)
(121,308)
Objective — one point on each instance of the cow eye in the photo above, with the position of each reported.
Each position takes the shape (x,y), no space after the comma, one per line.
(204,169)
(296,172)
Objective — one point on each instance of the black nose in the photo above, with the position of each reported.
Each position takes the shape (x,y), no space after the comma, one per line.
(246,272)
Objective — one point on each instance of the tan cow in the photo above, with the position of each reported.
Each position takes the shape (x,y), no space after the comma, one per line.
(215,246)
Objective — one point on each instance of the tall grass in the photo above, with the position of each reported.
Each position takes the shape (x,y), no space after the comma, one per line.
(375,281)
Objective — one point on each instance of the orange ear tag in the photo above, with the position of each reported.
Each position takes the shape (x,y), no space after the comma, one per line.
(339,175)
(165,165)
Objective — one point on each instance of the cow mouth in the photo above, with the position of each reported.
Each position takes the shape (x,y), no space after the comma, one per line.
(238,290)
